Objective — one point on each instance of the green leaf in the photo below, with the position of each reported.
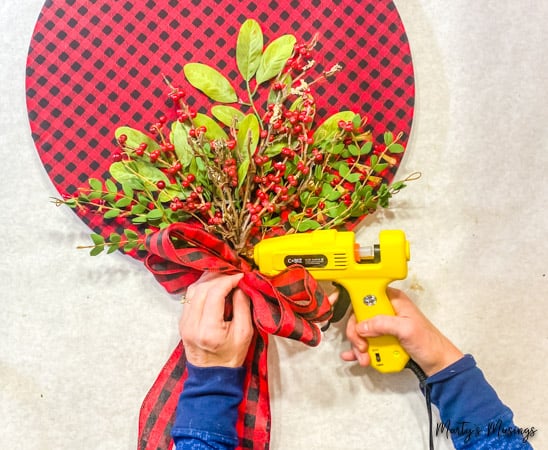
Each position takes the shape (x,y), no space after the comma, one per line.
(353,177)
(179,138)
(334,209)
(248,136)
(330,127)
(344,170)
(337,149)
(95,195)
(272,222)
(242,171)
(169,193)
(130,234)
(308,224)
(155,214)
(396,148)
(138,209)
(112,248)
(112,213)
(150,172)
(318,172)
(114,238)
(97,239)
(354,150)
(380,167)
(274,149)
(388,138)
(329,193)
(249,48)
(227,115)
(136,138)
(198,168)
(71,202)
(96,251)
(213,129)
(128,191)
(366,148)
(139,219)
(211,82)
(123,202)
(274,57)
(134,174)
(95,184)
(111,187)
(398,185)
(305,198)
(130,246)
(124,176)
(143,200)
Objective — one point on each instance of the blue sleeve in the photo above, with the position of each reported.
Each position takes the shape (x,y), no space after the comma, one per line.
(207,411)
(471,412)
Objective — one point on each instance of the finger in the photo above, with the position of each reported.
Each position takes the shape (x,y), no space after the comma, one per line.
(352,334)
(242,325)
(217,290)
(210,284)
(354,354)
(348,355)
(363,358)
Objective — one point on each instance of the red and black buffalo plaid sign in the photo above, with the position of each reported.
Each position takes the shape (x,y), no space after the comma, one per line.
(96,65)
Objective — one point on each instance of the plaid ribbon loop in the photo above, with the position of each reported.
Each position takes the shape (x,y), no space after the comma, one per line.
(288,305)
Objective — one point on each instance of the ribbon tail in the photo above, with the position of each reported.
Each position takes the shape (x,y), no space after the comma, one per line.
(157,413)
(254,419)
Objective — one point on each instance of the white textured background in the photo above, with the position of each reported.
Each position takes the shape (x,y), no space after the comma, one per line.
(82,339)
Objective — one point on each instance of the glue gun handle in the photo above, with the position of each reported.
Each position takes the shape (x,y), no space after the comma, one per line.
(369,300)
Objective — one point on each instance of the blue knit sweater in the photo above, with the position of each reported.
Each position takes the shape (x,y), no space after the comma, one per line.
(471,412)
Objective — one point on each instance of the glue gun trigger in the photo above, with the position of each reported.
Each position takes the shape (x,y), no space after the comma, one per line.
(340,307)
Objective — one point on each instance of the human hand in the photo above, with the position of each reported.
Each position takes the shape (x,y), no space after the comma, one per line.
(426,345)
(209,340)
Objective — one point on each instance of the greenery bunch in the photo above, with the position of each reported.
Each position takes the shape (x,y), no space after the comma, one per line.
(250,168)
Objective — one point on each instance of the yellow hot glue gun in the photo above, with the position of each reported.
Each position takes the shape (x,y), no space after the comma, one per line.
(364,271)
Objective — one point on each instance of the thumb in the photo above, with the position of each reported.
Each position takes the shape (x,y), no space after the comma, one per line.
(380,325)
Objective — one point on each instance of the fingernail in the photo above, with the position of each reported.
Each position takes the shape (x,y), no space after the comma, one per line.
(363,327)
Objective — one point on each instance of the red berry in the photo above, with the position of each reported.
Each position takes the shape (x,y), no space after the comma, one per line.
(161,184)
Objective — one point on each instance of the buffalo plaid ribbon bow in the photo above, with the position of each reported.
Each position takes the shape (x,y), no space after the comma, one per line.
(286,305)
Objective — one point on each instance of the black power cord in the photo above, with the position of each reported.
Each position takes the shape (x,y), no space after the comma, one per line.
(416,369)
